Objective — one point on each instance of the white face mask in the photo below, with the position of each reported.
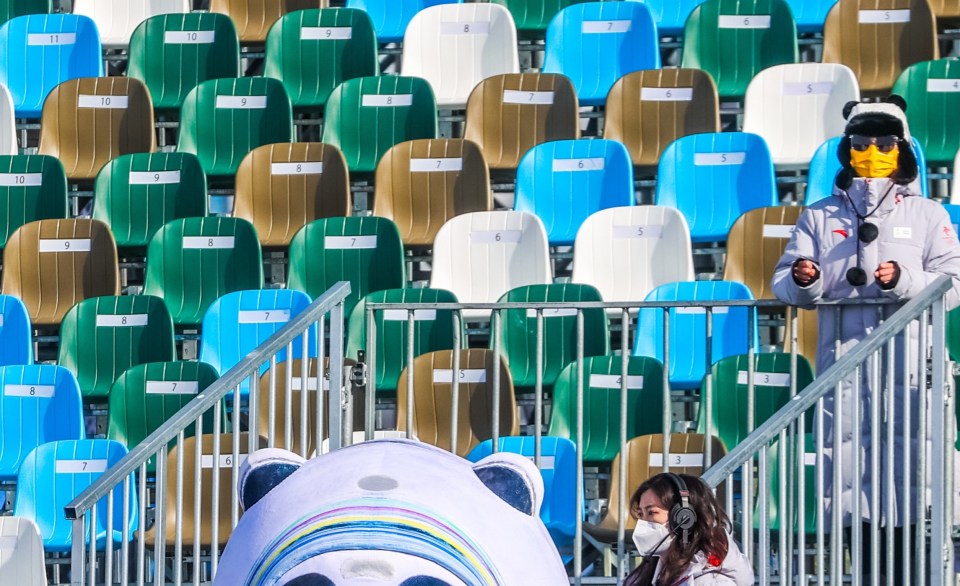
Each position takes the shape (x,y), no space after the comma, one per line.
(651,538)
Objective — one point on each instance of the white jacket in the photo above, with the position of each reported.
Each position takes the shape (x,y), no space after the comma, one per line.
(735,570)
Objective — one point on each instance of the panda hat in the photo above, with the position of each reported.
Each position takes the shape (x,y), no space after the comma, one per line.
(886,118)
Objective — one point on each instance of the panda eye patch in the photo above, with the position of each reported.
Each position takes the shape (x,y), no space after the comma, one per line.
(311,580)
(423,581)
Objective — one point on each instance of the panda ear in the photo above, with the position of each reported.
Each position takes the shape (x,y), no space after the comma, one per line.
(848,107)
(513,478)
(263,471)
(897,100)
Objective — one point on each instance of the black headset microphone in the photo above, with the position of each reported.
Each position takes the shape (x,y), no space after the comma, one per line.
(681,518)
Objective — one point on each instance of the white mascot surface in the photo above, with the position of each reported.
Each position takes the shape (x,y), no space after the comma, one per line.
(390,513)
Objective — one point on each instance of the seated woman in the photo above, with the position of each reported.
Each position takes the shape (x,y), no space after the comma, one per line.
(684,536)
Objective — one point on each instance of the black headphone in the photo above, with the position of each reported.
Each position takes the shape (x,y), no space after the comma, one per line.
(682,516)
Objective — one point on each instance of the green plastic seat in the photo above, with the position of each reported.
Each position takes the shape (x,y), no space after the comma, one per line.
(366,116)
(224,119)
(533,16)
(932,92)
(776,509)
(173,53)
(518,331)
(314,51)
(601,403)
(32,187)
(733,40)
(433,330)
(137,194)
(953,348)
(14,8)
(102,337)
(191,262)
(366,251)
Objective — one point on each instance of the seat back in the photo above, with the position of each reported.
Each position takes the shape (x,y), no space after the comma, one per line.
(670,16)
(944,9)
(283,187)
(38,404)
(810,14)
(812,92)
(481,256)
(433,403)
(390,109)
(254,18)
(825,165)
(564,182)
(137,194)
(654,241)
(42,51)
(88,122)
(314,51)
(193,261)
(420,184)
(32,187)
(879,40)
(117,19)
(8,124)
(507,115)
(11,9)
(932,89)
(173,53)
(602,388)
(648,110)
(224,119)
(16,333)
(391,17)
(533,16)
(456,46)
(365,251)
(54,264)
(22,556)
(807,333)
(756,243)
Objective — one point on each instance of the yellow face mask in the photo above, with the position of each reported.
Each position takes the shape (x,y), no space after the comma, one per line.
(873,164)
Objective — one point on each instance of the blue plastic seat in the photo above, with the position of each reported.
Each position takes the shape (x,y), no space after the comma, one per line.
(688,339)
(565,181)
(558,467)
(38,404)
(712,179)
(16,343)
(954,211)
(671,15)
(597,43)
(42,51)
(56,473)
(391,17)
(810,14)
(824,168)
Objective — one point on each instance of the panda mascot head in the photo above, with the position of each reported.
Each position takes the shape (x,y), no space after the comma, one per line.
(876,143)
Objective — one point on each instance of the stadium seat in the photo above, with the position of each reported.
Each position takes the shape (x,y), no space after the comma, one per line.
(314,51)
(810,14)
(57,472)
(775,509)
(733,40)
(16,334)
(648,110)
(365,251)
(224,119)
(21,558)
(878,41)
(507,115)
(283,187)
(456,46)
(597,43)
(565,181)
(932,92)
(481,256)
(173,53)
(433,330)
(101,338)
(366,116)
(391,17)
(533,16)
(670,16)
(42,51)
(954,212)
(32,187)
(432,399)
(945,10)
(54,264)
(714,178)
(653,241)
(193,261)
(731,333)
(137,194)
(796,107)
(117,19)
(39,404)
(8,124)
(10,9)
(87,122)
(602,384)
(825,165)
(756,243)
(254,18)
(420,184)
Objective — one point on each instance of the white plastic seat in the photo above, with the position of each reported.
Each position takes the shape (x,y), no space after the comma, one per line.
(21,553)
(117,19)
(797,107)
(456,46)
(626,252)
(8,124)
(482,255)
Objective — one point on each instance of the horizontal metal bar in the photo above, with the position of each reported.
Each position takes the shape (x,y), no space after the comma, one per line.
(758,303)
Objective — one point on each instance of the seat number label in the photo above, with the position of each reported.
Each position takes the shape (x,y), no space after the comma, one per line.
(65,245)
(263,316)
(552,312)
(296,383)
(51,39)
(349,242)
(747,21)
(103,102)
(677,460)
(615,381)
(44,391)
(155,178)
(467,375)
(189,37)
(402,314)
(522,97)
(777,230)
(811,88)
(492,237)
(222,242)
(595,164)
(435,165)
(164,387)
(638,232)
(326,33)
(387,100)
(766,379)
(241,102)
(605,26)
(226,461)
(21,179)
(296,168)
(699,310)
(464,28)
(666,94)
(716,159)
(81,466)
(122,321)
(884,16)
(943,85)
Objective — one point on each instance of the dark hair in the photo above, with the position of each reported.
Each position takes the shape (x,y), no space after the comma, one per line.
(709,535)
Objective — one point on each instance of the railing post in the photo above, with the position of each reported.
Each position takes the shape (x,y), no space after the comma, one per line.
(336,399)
(940,400)
(77,552)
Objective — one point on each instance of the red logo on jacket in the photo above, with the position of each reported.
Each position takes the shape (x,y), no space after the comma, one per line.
(841,232)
